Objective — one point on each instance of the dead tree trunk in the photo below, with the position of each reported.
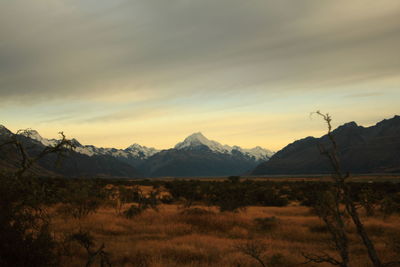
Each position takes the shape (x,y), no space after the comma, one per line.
(342,186)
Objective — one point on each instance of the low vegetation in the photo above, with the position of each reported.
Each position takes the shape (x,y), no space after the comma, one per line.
(272,223)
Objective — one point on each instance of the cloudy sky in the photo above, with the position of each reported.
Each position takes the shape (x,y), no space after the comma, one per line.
(113,73)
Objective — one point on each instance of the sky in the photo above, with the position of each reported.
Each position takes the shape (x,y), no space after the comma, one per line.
(248,73)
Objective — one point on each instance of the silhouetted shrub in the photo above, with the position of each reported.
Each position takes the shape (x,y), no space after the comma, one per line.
(267,223)
(390,205)
(318,229)
(133,211)
(25,239)
(86,240)
(81,199)
(166,199)
(144,203)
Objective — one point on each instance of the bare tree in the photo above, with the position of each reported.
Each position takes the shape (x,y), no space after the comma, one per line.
(86,240)
(27,161)
(341,193)
(329,210)
(25,237)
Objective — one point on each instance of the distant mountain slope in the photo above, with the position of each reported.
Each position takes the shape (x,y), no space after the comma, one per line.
(195,156)
(198,156)
(75,165)
(9,158)
(198,139)
(133,155)
(374,149)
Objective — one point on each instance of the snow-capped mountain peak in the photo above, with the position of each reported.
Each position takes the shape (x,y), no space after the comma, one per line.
(137,151)
(197,136)
(133,151)
(198,139)
(258,152)
(135,146)
(33,134)
(143,151)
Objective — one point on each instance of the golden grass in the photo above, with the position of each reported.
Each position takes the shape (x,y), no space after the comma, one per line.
(171,237)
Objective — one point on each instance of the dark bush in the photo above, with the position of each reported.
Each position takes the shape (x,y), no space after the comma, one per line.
(133,211)
(25,238)
(266,224)
(318,229)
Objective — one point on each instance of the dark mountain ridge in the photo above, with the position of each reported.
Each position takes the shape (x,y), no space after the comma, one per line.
(374,149)
(197,161)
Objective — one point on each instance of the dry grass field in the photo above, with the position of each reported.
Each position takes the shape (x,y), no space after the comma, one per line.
(203,236)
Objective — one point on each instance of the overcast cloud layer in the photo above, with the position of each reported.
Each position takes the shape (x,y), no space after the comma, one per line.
(137,67)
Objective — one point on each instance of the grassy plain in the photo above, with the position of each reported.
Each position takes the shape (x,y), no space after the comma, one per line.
(203,236)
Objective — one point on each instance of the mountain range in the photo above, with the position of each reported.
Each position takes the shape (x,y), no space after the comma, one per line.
(374,149)
(198,156)
(74,165)
(194,156)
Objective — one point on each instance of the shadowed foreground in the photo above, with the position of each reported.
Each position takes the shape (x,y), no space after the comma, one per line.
(204,237)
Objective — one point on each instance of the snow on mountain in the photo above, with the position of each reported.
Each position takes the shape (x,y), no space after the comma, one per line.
(257,152)
(90,150)
(198,139)
(33,134)
(141,151)
(135,150)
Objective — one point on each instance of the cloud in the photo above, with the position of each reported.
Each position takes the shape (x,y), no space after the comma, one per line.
(91,49)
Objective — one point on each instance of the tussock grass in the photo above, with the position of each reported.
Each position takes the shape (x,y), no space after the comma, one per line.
(202,236)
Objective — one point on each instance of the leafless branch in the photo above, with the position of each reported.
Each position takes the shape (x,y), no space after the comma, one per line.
(60,148)
(321,259)
(343,193)
(254,249)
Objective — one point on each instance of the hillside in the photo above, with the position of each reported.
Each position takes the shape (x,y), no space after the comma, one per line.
(374,149)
